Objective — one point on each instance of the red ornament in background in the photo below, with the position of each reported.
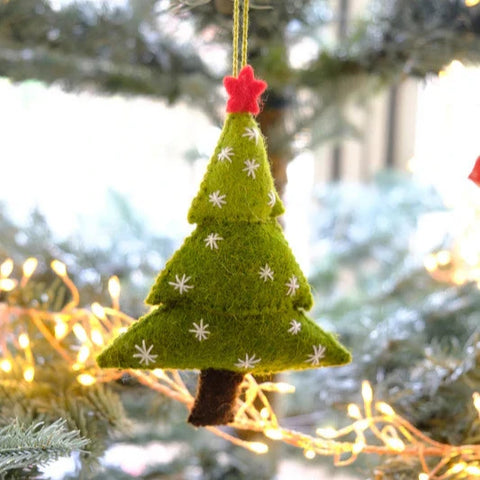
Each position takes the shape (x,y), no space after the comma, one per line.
(475,173)
(244,91)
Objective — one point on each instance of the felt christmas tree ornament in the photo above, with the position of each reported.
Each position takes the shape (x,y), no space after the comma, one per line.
(232,299)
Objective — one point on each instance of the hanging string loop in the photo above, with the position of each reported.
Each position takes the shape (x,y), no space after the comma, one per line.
(246,6)
(236,35)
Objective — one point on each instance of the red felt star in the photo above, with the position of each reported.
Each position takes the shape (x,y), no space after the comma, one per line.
(244,91)
(475,173)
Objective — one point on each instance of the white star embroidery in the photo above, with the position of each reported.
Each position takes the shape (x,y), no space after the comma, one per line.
(200,330)
(225,154)
(295,327)
(292,285)
(266,273)
(318,353)
(249,362)
(212,239)
(252,134)
(272,198)
(216,199)
(180,284)
(250,168)
(144,354)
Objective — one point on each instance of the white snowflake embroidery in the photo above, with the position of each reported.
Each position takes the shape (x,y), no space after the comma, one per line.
(250,168)
(144,354)
(200,330)
(318,353)
(180,284)
(226,153)
(212,239)
(266,273)
(216,199)
(252,134)
(292,285)
(295,327)
(272,198)
(249,362)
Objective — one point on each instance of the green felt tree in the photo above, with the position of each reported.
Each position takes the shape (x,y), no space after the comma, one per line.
(232,299)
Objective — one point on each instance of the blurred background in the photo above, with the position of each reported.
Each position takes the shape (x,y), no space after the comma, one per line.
(109,112)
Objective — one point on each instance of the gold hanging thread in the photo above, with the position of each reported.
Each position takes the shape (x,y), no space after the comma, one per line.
(236,35)
(245,32)
(236,8)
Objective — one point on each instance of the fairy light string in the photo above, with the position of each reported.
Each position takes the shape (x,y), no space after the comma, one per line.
(77,335)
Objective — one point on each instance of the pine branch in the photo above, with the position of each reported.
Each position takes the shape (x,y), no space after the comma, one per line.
(116,51)
(403,38)
(108,406)
(81,46)
(36,444)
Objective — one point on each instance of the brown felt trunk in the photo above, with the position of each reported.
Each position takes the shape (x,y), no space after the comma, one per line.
(216,394)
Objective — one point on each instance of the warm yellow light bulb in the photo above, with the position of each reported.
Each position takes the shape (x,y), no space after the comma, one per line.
(6,267)
(7,284)
(362,425)
(395,444)
(358,446)
(86,379)
(98,310)
(29,266)
(114,287)
(367,392)
(280,387)
(80,332)
(476,401)
(442,73)
(385,408)
(264,413)
(444,257)
(83,354)
(29,374)
(159,373)
(6,365)
(473,470)
(457,468)
(283,387)
(430,262)
(354,411)
(60,329)
(328,432)
(59,268)
(273,433)
(97,337)
(471,3)
(309,454)
(258,447)
(23,340)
